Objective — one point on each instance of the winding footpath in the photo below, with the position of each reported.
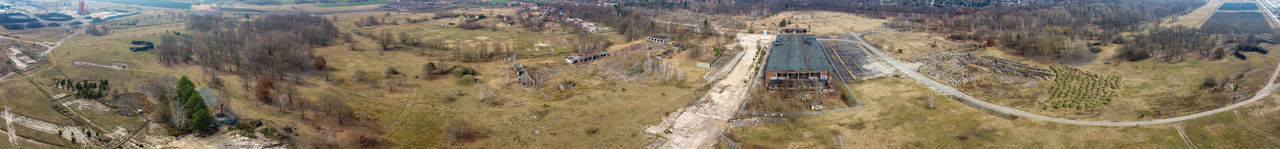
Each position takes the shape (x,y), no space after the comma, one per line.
(909,70)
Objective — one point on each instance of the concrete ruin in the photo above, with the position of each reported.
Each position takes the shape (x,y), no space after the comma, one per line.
(797,63)
(585,58)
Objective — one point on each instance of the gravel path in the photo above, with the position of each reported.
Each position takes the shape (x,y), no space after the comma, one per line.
(699,124)
(908,69)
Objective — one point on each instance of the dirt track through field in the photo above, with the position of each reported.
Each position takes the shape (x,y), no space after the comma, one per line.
(699,124)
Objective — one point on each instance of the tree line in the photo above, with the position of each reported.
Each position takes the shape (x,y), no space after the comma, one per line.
(85,88)
(194,110)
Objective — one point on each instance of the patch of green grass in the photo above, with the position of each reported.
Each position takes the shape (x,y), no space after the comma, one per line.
(267,132)
(352,3)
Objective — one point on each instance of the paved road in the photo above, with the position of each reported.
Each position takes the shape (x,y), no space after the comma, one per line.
(699,124)
(1266,6)
(909,70)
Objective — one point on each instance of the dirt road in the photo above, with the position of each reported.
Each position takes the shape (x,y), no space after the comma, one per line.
(698,125)
(909,70)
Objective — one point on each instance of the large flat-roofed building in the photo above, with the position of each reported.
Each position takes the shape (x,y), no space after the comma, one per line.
(797,63)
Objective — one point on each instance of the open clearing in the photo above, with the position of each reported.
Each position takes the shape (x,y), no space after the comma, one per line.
(1148,89)
(818,22)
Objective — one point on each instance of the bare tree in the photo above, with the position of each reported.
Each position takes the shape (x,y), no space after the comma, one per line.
(161,88)
(336,108)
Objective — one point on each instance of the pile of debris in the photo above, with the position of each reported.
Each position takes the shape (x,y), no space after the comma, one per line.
(952,68)
(532,77)
(948,68)
(1000,65)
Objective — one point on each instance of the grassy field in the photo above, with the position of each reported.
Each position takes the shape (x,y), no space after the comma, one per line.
(818,22)
(1147,89)
(530,117)
(911,43)
(1157,89)
(522,40)
(416,113)
(897,116)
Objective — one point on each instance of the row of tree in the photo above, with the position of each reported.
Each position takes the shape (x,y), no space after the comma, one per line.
(85,88)
(194,110)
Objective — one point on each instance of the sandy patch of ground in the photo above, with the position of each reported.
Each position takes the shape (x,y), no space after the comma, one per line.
(42,126)
(224,140)
(86,104)
(21,61)
(112,66)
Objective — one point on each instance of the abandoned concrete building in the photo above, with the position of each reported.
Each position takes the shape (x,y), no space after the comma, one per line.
(585,58)
(796,63)
(660,39)
(795,31)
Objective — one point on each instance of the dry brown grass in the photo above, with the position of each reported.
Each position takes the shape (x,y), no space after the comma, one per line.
(895,117)
(911,43)
(818,22)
